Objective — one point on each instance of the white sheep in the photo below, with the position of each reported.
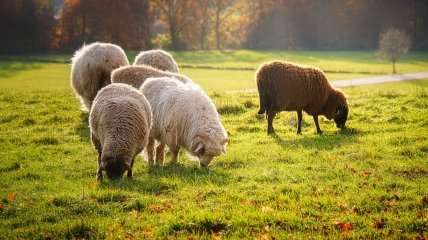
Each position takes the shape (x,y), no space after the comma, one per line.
(91,68)
(120,122)
(159,59)
(183,116)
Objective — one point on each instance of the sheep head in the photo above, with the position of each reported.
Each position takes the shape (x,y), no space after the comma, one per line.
(341,116)
(206,148)
(115,167)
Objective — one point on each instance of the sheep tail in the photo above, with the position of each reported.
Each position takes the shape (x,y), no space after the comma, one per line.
(262,97)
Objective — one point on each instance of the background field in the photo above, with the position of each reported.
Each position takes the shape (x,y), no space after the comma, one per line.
(215,70)
(368,181)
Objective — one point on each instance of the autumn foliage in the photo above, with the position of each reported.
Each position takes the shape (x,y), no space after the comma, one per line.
(64,25)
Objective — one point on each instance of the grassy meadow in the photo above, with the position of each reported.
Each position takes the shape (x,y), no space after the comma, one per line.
(368,181)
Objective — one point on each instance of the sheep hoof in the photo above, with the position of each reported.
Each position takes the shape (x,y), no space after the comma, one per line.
(99,177)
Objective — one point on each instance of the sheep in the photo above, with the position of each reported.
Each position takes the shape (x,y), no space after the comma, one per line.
(284,86)
(183,116)
(91,66)
(159,59)
(136,75)
(120,121)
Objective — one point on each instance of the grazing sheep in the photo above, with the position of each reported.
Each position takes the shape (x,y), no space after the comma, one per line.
(285,86)
(136,75)
(159,59)
(183,116)
(120,122)
(91,68)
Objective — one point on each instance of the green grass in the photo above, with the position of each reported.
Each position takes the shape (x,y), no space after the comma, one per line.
(369,181)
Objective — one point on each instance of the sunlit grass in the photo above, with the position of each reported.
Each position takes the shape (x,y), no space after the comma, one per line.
(368,181)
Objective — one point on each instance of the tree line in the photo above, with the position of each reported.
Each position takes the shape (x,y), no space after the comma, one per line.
(64,25)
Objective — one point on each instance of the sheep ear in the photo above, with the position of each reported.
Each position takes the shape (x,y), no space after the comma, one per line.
(126,166)
(200,148)
(338,111)
(223,143)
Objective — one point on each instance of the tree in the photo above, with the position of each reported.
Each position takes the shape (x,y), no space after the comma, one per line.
(220,14)
(125,23)
(393,44)
(176,14)
(26,26)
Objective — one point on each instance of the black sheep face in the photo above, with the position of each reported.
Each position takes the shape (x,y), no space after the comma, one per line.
(342,116)
(115,168)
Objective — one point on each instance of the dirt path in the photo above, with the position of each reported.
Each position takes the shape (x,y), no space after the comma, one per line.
(365,81)
(380,79)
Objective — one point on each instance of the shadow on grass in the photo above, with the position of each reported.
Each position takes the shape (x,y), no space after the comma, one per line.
(83,128)
(320,142)
(11,68)
(164,179)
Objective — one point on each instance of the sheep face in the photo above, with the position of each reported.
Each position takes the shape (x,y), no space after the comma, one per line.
(206,149)
(341,116)
(115,167)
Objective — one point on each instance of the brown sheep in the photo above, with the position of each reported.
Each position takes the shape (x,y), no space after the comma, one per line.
(285,86)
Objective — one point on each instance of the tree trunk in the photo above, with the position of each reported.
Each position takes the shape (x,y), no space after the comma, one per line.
(83,29)
(393,67)
(217,29)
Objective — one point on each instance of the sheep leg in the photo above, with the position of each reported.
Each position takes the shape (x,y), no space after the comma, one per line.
(175,150)
(98,146)
(150,151)
(130,171)
(270,116)
(299,122)
(160,153)
(316,124)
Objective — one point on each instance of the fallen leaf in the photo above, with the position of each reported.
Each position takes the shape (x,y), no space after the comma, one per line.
(264,237)
(155,208)
(148,232)
(169,206)
(244,202)
(134,213)
(379,224)
(266,228)
(420,237)
(367,174)
(1,205)
(343,226)
(129,235)
(11,196)
(357,211)
(347,226)
(267,209)
(420,214)
(336,221)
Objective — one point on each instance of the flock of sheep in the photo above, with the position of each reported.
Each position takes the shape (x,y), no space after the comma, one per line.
(150,105)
